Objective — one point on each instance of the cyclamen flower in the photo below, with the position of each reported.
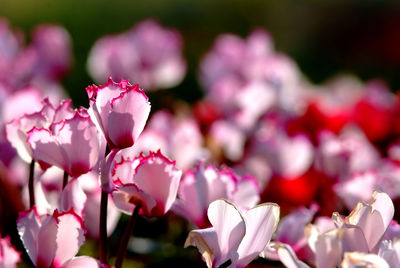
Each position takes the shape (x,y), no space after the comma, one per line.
(362,231)
(17,130)
(371,219)
(204,185)
(72,145)
(151,181)
(120,111)
(9,256)
(236,238)
(290,234)
(179,139)
(148,53)
(53,240)
(360,259)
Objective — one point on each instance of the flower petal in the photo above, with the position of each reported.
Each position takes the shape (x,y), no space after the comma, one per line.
(360,259)
(157,176)
(46,241)
(373,218)
(79,139)
(82,262)
(261,223)
(28,226)
(129,195)
(46,148)
(205,241)
(132,108)
(17,133)
(70,236)
(230,228)
(328,249)
(288,257)
(73,197)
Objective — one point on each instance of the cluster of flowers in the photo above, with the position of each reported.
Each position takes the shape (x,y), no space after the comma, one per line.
(261,134)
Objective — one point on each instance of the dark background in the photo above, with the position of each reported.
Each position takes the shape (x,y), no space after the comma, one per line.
(324,37)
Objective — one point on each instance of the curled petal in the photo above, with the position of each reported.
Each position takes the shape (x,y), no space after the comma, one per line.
(132,108)
(353,239)
(120,111)
(70,236)
(261,223)
(46,148)
(359,259)
(157,176)
(328,249)
(287,256)
(79,140)
(46,241)
(28,226)
(230,228)
(205,241)
(129,195)
(17,133)
(373,217)
(123,171)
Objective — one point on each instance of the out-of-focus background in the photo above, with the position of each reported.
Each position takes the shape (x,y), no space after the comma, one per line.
(325,38)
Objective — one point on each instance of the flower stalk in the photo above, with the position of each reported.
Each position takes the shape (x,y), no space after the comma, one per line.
(31,184)
(126,236)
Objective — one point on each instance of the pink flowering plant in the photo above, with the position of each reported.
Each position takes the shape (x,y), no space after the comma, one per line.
(257,173)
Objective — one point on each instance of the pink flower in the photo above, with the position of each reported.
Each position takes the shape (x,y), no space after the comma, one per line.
(120,111)
(53,47)
(291,231)
(236,238)
(204,185)
(148,53)
(72,144)
(51,239)
(17,130)
(230,54)
(9,256)
(177,138)
(361,259)
(362,231)
(150,180)
(390,251)
(350,152)
(286,255)
(367,223)
(10,44)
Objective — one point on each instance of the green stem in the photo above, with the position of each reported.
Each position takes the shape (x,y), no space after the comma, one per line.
(65,179)
(31,184)
(126,236)
(103,227)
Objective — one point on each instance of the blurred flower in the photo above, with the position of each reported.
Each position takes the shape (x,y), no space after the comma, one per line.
(204,185)
(147,53)
(177,138)
(9,255)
